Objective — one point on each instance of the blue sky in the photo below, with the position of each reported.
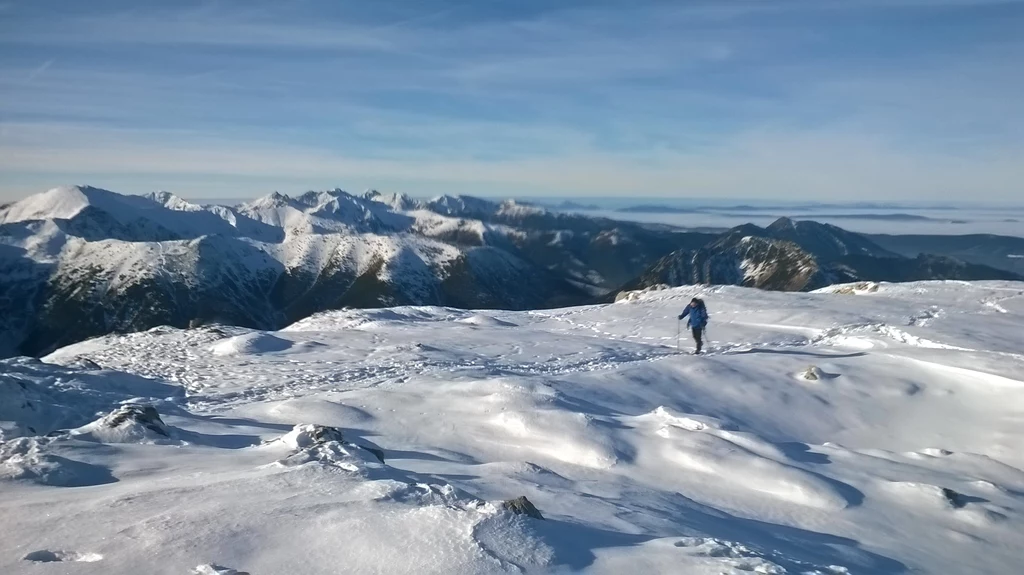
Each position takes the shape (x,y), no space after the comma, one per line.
(832,100)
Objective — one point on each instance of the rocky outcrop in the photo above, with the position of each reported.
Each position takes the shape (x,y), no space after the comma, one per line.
(522,506)
(144,416)
(326,445)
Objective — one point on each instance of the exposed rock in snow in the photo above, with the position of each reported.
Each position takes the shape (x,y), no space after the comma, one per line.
(812,373)
(634,295)
(216,570)
(132,415)
(955,499)
(309,435)
(816,374)
(47,556)
(327,445)
(130,423)
(522,506)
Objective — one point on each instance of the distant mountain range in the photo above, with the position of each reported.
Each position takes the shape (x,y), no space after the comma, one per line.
(790,208)
(1003,252)
(77,262)
(569,205)
(759,212)
(804,255)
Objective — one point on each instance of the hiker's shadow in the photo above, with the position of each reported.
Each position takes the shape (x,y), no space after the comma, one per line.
(794,352)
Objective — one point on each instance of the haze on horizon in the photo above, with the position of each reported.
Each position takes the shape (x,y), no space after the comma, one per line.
(826,100)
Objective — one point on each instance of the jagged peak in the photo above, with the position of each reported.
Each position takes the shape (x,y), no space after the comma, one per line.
(461,205)
(747,230)
(274,199)
(172,202)
(160,196)
(315,196)
(783,223)
(512,207)
(394,200)
(446,199)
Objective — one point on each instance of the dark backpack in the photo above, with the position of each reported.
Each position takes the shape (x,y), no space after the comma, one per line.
(703,308)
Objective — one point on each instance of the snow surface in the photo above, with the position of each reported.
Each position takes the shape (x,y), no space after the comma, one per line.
(862,429)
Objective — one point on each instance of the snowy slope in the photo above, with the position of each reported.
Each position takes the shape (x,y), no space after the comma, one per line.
(68,201)
(863,429)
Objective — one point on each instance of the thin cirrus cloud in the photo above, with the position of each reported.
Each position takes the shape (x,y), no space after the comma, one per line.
(791,99)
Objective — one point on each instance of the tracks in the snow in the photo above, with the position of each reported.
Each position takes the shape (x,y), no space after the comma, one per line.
(212,381)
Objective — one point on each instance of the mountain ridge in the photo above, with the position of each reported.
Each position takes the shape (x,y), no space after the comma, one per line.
(804,255)
(103,262)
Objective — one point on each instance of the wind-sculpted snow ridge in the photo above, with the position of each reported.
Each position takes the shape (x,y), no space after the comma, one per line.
(863,429)
(37,398)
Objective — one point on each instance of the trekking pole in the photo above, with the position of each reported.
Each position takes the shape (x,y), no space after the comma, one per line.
(678,322)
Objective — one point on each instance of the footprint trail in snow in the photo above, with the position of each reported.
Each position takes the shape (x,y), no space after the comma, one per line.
(847,431)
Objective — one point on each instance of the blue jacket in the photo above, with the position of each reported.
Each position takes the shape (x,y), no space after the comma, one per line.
(698,317)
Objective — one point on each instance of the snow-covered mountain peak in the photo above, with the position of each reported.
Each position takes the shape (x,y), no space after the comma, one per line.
(317,198)
(325,211)
(463,206)
(104,209)
(272,200)
(173,202)
(512,208)
(395,201)
(63,202)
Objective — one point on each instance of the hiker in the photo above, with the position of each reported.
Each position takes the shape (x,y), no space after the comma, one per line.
(698,320)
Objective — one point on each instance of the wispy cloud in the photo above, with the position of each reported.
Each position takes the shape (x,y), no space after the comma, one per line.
(792,97)
(783,165)
(40,69)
